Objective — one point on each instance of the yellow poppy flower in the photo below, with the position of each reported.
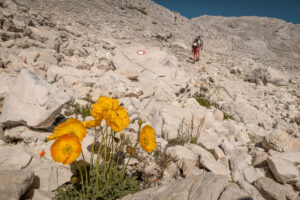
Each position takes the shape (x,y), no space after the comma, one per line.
(147,139)
(92,123)
(66,149)
(103,104)
(117,119)
(108,103)
(73,126)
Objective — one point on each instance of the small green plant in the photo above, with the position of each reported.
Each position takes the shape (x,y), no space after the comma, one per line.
(106,188)
(180,139)
(192,132)
(163,159)
(88,97)
(102,180)
(154,22)
(203,102)
(227,116)
(186,133)
(77,109)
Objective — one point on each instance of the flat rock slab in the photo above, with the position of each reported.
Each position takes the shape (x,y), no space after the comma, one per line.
(206,186)
(32,101)
(14,183)
(208,161)
(272,190)
(283,170)
(234,192)
(13,157)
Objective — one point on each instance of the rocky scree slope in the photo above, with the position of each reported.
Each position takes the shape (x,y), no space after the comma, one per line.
(54,51)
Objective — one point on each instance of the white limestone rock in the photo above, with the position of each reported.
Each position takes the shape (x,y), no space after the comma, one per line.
(49,176)
(189,168)
(251,174)
(273,190)
(181,152)
(32,101)
(14,183)
(233,192)
(280,140)
(26,134)
(284,171)
(207,160)
(206,186)
(42,195)
(14,157)
(170,173)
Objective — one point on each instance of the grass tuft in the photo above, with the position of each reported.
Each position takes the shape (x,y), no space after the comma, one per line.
(77,109)
(227,116)
(203,102)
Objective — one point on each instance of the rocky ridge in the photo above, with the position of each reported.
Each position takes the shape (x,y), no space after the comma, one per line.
(249,139)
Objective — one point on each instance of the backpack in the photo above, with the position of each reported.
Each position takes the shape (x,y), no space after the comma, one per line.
(201,41)
(195,43)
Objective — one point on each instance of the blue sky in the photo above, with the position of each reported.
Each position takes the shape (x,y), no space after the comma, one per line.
(288,10)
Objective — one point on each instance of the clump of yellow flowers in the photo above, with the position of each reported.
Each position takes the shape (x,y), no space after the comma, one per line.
(69,135)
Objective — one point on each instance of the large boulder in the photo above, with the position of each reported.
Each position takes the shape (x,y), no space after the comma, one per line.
(284,166)
(171,120)
(207,186)
(280,140)
(234,192)
(48,177)
(14,183)
(32,101)
(14,157)
(272,190)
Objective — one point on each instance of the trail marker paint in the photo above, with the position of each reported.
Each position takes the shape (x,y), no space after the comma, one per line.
(140,52)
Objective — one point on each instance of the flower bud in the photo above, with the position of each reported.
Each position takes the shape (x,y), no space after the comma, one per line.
(117,140)
(74,179)
(140,122)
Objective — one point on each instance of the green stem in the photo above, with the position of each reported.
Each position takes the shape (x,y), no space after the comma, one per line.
(131,155)
(112,156)
(118,156)
(85,169)
(82,183)
(106,146)
(93,149)
(100,153)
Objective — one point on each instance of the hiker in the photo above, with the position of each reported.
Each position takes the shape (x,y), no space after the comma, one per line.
(197,45)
